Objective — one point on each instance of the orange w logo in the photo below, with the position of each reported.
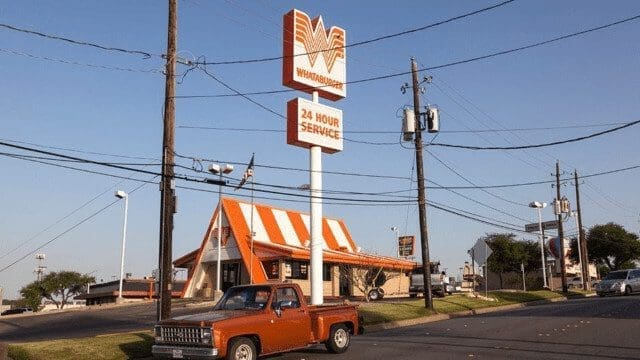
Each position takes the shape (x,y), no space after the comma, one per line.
(318,41)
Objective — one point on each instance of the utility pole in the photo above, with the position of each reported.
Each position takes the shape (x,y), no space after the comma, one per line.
(422,201)
(582,242)
(167,186)
(563,269)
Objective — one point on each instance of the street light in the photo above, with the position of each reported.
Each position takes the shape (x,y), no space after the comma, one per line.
(395,230)
(540,206)
(219,170)
(123,195)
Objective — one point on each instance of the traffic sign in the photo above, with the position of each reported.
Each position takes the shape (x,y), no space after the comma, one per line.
(547,225)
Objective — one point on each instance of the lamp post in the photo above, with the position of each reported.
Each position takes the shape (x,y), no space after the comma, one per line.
(540,206)
(219,170)
(123,195)
(397,234)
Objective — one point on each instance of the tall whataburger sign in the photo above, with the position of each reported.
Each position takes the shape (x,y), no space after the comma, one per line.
(314,62)
(314,58)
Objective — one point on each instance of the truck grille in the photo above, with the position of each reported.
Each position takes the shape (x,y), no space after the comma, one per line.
(181,335)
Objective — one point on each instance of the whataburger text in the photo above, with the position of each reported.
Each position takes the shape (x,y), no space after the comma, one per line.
(324,80)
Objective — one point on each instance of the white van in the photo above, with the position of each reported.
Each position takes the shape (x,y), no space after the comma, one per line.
(620,282)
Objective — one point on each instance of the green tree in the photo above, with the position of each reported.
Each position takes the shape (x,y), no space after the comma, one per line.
(58,287)
(31,296)
(508,254)
(611,245)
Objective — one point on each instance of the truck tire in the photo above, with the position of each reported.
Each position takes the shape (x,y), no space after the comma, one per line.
(339,339)
(375,294)
(242,349)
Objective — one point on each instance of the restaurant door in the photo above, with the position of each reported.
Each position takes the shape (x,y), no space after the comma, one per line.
(230,275)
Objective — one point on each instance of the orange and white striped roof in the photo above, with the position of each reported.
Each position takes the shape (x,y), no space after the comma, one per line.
(288,227)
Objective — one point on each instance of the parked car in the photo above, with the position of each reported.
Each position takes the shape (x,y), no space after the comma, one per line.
(257,320)
(16,311)
(619,282)
(576,282)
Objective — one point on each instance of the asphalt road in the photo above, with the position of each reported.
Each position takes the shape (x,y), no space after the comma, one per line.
(592,328)
(85,322)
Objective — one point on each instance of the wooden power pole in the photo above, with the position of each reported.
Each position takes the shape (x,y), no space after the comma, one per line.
(563,269)
(582,242)
(167,185)
(422,201)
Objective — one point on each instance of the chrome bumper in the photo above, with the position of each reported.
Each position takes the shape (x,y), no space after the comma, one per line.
(183,352)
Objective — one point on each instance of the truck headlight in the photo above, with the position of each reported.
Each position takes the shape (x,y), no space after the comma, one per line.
(206,336)
(157,331)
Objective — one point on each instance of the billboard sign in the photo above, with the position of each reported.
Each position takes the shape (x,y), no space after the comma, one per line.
(314,58)
(406,245)
(313,124)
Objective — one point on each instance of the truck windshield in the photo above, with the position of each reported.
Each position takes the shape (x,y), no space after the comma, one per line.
(245,298)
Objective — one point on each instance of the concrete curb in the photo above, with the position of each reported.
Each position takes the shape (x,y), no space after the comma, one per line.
(441,317)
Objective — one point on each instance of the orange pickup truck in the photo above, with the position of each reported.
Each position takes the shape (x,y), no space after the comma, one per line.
(256,320)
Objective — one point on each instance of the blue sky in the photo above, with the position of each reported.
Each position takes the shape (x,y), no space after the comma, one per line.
(116,116)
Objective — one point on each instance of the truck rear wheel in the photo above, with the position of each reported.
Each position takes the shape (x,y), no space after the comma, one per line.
(339,339)
(242,349)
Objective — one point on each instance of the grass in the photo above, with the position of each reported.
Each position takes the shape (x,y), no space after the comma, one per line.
(379,312)
(137,345)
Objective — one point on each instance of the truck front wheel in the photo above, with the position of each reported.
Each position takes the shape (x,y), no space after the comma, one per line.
(339,339)
(242,349)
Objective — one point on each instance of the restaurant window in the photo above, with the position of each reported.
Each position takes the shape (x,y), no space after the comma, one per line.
(297,270)
(272,268)
(327,272)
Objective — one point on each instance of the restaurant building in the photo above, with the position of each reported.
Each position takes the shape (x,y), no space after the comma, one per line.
(279,251)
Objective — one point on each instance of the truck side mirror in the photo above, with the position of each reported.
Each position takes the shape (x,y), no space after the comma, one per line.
(285,304)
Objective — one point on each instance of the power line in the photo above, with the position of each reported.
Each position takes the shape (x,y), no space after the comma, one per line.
(438,206)
(485,205)
(442,66)
(249,130)
(78,150)
(265,59)
(275,167)
(471,182)
(76,63)
(181,177)
(473,116)
(469,147)
(145,54)
(69,229)
(22,157)
(240,94)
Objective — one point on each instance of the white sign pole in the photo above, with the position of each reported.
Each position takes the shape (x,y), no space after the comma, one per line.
(315,157)
(544,271)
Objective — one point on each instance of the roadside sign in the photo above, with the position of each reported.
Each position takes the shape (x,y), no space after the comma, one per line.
(547,225)
(406,245)
(481,252)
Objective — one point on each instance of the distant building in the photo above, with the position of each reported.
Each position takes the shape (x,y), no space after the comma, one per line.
(132,290)
(279,251)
